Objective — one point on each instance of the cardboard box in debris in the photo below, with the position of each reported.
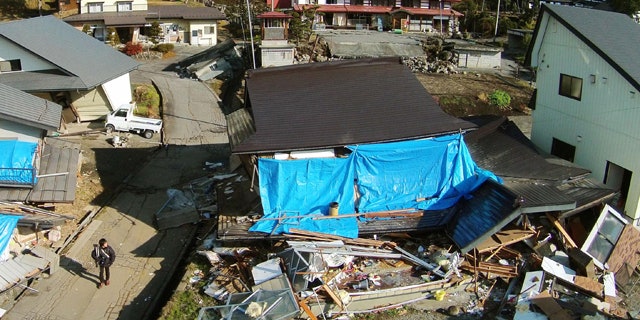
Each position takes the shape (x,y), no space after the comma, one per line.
(527,270)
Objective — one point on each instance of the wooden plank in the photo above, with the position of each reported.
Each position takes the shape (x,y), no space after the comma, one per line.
(504,238)
(567,237)
(333,296)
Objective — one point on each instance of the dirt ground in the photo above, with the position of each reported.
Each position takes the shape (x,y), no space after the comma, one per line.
(465,94)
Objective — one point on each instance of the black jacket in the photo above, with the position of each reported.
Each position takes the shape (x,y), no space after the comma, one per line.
(108,255)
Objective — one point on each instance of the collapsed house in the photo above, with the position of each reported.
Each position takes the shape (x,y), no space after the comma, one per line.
(380,207)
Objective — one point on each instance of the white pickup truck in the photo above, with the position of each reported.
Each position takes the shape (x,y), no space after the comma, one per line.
(122,119)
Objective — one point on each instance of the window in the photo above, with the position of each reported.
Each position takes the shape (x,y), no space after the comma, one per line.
(95,7)
(570,87)
(10,65)
(209,29)
(121,113)
(563,150)
(604,235)
(125,6)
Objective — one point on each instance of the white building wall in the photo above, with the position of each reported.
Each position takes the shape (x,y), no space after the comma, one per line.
(198,32)
(14,130)
(479,59)
(603,125)
(112,5)
(29,61)
(118,91)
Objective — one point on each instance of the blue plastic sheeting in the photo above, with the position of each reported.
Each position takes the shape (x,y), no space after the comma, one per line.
(7,224)
(426,174)
(306,187)
(16,162)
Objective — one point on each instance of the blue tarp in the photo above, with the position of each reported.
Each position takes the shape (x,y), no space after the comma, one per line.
(428,174)
(16,162)
(7,224)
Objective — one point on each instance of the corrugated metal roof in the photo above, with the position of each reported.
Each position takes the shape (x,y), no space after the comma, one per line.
(538,197)
(24,108)
(58,156)
(614,36)
(501,148)
(333,104)
(486,211)
(70,49)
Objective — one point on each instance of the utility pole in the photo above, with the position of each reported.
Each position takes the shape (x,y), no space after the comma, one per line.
(440,2)
(253,50)
(495,34)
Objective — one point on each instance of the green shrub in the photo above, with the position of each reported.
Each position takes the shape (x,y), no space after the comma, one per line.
(500,98)
(163,47)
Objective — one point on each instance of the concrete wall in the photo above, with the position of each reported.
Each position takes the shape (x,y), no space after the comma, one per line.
(603,125)
(198,35)
(479,59)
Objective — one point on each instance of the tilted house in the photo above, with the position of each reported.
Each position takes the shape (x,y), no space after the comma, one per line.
(46,57)
(374,145)
(33,167)
(587,105)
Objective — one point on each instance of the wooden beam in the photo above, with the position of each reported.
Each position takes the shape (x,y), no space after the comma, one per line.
(564,233)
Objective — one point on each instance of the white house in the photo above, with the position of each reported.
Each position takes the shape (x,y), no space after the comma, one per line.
(48,58)
(587,106)
(132,21)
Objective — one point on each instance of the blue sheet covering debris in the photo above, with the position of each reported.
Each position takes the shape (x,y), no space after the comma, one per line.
(425,174)
(7,224)
(16,162)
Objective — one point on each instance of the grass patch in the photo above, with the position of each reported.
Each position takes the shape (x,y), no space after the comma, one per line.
(147,101)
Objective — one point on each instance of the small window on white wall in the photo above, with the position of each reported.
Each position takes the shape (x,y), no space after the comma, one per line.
(570,87)
(95,7)
(125,6)
(209,29)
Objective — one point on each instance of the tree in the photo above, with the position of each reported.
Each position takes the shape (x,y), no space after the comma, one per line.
(628,7)
(154,32)
(300,26)
(236,11)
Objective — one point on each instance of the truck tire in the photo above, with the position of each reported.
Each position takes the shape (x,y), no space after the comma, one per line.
(110,128)
(148,134)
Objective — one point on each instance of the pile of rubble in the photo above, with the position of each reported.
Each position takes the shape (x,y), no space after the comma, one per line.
(527,270)
(439,56)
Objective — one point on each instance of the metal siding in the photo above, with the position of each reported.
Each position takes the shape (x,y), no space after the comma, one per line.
(91,105)
(606,118)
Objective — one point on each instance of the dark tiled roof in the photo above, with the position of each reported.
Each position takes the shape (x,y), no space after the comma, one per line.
(185,12)
(613,36)
(71,50)
(333,104)
(139,18)
(129,18)
(21,107)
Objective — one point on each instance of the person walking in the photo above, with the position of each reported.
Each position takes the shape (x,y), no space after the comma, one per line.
(104,256)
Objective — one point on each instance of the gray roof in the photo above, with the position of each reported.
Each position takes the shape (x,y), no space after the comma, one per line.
(139,18)
(72,51)
(38,81)
(333,104)
(614,36)
(24,108)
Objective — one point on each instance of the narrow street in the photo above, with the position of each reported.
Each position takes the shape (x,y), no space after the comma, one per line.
(146,258)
